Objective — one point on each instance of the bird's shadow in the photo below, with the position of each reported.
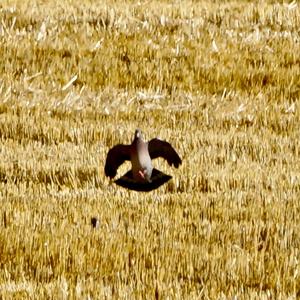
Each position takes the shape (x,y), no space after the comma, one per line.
(158,178)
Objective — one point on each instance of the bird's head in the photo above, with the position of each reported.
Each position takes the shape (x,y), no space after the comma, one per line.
(138,134)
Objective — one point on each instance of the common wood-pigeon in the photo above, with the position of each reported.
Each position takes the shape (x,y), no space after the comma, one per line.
(142,176)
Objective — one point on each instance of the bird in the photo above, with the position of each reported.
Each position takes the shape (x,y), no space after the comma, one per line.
(142,175)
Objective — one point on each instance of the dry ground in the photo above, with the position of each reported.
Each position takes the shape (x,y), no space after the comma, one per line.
(220,81)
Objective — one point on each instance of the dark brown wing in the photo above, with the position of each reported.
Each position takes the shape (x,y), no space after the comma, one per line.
(115,157)
(158,148)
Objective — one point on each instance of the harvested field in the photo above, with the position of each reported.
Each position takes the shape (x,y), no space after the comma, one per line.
(220,80)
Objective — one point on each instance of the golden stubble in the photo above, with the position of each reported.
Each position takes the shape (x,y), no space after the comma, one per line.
(219,81)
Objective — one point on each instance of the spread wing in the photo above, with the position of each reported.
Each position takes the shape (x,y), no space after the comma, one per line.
(158,148)
(115,157)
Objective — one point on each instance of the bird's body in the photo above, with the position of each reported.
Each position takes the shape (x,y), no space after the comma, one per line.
(140,160)
(140,153)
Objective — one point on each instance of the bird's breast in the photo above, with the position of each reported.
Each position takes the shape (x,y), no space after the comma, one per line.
(140,159)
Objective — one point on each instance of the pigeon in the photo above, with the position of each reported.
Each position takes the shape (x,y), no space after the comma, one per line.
(142,176)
